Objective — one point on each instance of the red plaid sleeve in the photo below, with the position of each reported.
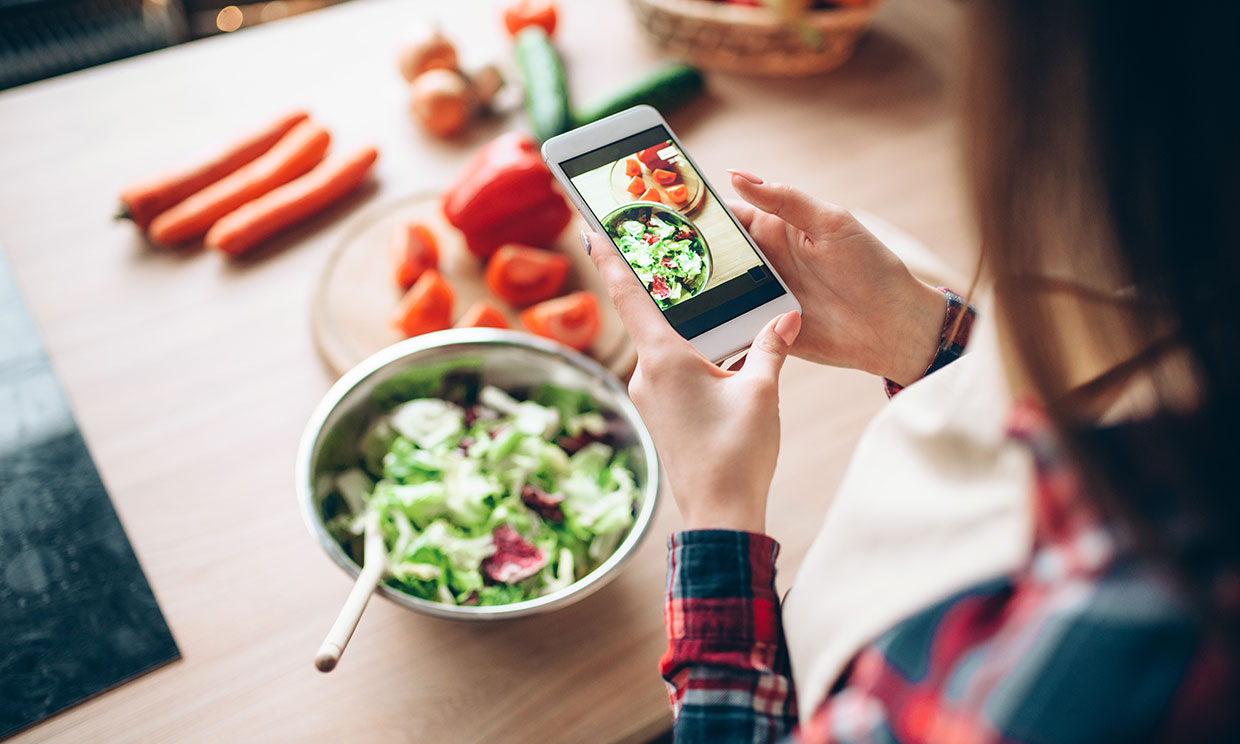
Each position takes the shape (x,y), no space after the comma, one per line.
(954,336)
(726,664)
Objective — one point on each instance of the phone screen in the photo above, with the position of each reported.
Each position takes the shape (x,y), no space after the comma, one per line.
(692,257)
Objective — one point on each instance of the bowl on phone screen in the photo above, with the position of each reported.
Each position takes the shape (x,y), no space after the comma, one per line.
(666,250)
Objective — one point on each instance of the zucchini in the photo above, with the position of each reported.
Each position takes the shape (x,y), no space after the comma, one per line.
(546,92)
(665,88)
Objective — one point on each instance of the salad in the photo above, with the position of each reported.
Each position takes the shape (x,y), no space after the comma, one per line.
(484,498)
(664,249)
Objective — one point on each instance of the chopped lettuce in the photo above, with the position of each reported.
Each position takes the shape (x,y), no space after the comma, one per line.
(427,422)
(563,575)
(354,486)
(477,501)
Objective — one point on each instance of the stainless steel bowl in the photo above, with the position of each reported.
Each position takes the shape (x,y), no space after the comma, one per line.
(509,361)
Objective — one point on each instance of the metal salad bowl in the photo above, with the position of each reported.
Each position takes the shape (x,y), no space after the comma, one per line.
(511,361)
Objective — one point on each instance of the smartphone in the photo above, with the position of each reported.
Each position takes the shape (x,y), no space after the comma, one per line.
(633,182)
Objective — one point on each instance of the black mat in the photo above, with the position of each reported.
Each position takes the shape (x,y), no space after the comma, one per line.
(77,616)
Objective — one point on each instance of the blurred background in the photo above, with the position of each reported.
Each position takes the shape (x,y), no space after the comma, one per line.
(44,38)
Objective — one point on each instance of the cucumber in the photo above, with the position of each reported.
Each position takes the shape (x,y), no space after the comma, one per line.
(546,92)
(665,88)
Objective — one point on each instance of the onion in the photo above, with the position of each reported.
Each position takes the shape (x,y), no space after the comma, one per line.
(487,81)
(433,52)
(443,101)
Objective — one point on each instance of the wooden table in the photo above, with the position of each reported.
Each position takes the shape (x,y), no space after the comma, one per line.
(192,378)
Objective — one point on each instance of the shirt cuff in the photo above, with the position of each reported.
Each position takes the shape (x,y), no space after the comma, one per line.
(721,587)
(952,339)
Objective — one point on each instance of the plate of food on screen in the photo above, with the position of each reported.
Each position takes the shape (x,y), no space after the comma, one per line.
(665,249)
(658,174)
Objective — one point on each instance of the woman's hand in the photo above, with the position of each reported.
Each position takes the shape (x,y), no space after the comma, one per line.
(862,307)
(717,431)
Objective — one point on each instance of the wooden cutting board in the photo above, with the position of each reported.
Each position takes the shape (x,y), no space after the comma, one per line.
(356,296)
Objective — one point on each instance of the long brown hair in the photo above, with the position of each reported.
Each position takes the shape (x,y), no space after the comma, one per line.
(1103,147)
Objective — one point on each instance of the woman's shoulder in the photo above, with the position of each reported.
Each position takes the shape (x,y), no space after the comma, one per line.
(1088,641)
(1115,655)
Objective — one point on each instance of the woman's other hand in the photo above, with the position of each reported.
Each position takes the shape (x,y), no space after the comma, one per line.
(862,308)
(717,431)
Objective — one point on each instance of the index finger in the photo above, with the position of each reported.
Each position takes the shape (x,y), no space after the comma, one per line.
(792,205)
(744,211)
(637,310)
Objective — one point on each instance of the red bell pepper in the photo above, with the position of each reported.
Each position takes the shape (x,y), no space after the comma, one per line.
(505,194)
(650,156)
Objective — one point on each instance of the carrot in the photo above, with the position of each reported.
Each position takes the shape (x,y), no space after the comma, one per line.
(297,152)
(248,225)
(143,201)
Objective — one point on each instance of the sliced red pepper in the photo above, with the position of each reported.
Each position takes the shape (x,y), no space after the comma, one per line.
(520,275)
(572,320)
(426,307)
(412,249)
(482,314)
(664,177)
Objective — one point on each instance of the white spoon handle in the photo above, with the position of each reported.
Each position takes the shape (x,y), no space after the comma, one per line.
(374,564)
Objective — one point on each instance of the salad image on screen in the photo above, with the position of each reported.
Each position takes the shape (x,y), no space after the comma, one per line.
(665,249)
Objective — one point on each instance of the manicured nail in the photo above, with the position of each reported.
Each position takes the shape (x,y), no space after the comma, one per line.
(585,241)
(746,175)
(788,326)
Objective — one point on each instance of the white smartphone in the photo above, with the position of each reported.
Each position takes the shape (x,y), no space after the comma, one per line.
(633,182)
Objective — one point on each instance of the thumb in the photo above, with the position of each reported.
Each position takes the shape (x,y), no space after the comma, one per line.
(766,357)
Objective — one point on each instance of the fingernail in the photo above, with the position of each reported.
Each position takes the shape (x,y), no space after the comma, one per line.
(788,326)
(585,241)
(746,175)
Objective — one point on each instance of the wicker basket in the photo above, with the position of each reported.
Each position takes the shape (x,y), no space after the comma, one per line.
(750,40)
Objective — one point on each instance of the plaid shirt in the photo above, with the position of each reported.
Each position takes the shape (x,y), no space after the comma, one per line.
(1085,643)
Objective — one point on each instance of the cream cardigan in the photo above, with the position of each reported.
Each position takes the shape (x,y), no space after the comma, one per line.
(935,499)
